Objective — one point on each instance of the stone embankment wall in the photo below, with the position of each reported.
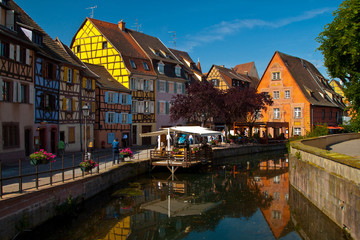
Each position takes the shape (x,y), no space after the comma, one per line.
(331,181)
(222,152)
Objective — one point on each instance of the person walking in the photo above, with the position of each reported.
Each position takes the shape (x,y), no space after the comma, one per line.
(191,139)
(61,147)
(115,150)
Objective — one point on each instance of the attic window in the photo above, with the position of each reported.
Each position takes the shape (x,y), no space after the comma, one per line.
(178,71)
(146,67)
(78,49)
(133,65)
(161,67)
(37,38)
(275,76)
(104,45)
(5,2)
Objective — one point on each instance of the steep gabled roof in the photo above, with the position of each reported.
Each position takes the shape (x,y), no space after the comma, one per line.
(229,74)
(185,57)
(105,79)
(314,86)
(152,44)
(245,68)
(50,48)
(85,70)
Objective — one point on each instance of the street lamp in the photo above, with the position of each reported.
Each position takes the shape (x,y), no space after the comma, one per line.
(86,112)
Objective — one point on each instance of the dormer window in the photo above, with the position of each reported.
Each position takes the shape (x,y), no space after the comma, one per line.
(133,65)
(161,67)
(37,38)
(104,45)
(146,67)
(178,71)
(5,2)
(10,19)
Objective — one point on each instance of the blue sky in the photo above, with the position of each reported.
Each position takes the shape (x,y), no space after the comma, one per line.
(216,32)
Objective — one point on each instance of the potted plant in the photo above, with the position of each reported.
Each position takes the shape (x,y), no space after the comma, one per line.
(41,157)
(87,165)
(195,150)
(176,150)
(126,153)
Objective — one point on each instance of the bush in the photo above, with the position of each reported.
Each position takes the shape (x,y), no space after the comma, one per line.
(319,130)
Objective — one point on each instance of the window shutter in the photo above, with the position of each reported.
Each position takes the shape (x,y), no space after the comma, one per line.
(64,104)
(119,119)
(82,104)
(18,53)
(129,119)
(93,82)
(106,97)
(31,93)
(111,137)
(167,86)
(129,99)
(175,87)
(10,17)
(106,117)
(120,99)
(183,88)
(12,49)
(1,88)
(158,107)
(73,104)
(141,107)
(75,76)
(15,91)
(158,85)
(167,107)
(116,98)
(84,83)
(65,74)
(19,92)
(93,107)
(141,84)
(28,56)
(151,85)
(152,110)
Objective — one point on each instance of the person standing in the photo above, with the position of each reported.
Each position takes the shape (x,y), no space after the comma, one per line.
(191,139)
(61,147)
(124,140)
(115,150)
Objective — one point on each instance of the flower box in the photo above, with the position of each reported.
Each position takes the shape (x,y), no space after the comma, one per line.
(41,157)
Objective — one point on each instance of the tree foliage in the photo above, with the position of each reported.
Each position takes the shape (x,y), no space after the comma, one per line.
(340,45)
(199,105)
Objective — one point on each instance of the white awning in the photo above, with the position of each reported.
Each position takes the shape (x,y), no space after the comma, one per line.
(195,130)
(152,134)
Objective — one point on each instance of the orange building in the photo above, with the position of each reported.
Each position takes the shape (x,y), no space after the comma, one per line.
(302,96)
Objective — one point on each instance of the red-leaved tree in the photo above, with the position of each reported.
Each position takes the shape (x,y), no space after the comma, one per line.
(202,102)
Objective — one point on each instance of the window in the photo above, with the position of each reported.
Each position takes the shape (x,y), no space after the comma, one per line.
(134,107)
(146,85)
(48,101)
(330,115)
(37,38)
(161,106)
(124,118)
(4,49)
(111,97)
(323,114)
(68,104)
(297,112)
(171,87)
(88,84)
(180,89)
(10,135)
(111,117)
(133,65)
(132,84)
(146,67)
(104,45)
(276,94)
(297,131)
(23,93)
(276,179)
(124,98)
(22,55)
(178,71)
(6,91)
(215,82)
(71,136)
(276,195)
(287,93)
(69,75)
(161,67)
(49,70)
(276,214)
(275,76)
(78,48)
(276,113)
(162,86)
(146,107)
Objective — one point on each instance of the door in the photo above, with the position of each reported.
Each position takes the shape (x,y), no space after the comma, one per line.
(146,140)
(42,135)
(27,139)
(53,140)
(134,134)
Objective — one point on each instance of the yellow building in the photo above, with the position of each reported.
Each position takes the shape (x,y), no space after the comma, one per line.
(111,46)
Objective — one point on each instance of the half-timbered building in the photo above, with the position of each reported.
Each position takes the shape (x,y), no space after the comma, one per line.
(171,78)
(16,87)
(113,109)
(110,45)
(77,88)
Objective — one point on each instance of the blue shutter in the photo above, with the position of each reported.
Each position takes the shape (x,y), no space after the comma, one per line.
(167,107)
(110,137)
(129,98)
(167,86)
(158,107)
(106,117)
(106,97)
(119,118)
(120,99)
(158,85)
(175,87)
(129,119)
(183,88)
(116,97)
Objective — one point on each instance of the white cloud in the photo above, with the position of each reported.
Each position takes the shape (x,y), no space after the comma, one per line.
(221,30)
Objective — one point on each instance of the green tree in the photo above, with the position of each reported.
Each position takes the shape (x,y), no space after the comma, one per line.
(340,45)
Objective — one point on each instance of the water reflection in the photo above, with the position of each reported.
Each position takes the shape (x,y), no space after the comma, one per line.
(233,198)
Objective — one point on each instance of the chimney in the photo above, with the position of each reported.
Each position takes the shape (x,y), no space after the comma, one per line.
(121,25)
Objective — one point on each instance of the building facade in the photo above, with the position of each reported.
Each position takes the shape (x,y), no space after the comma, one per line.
(302,96)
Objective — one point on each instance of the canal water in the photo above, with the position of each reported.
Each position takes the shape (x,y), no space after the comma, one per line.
(233,198)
